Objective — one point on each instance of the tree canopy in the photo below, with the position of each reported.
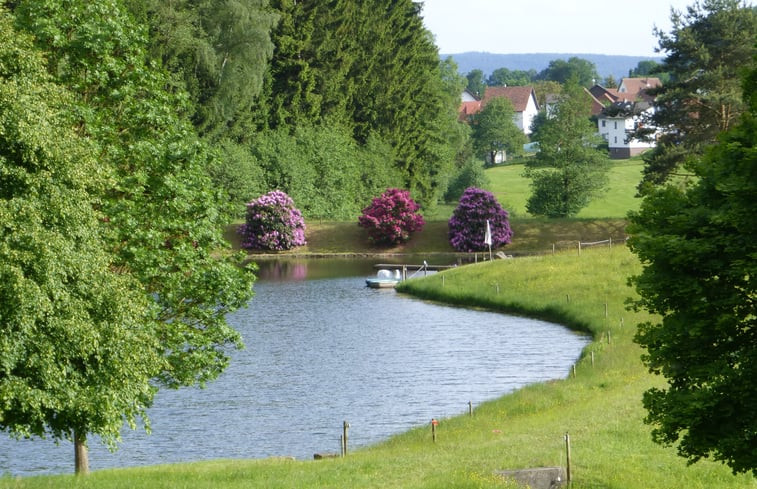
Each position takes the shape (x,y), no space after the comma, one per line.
(698,247)
(574,68)
(494,130)
(76,356)
(569,170)
(707,51)
(160,219)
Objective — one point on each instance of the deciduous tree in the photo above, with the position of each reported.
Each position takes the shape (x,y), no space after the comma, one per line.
(698,248)
(575,68)
(76,357)
(494,131)
(161,219)
(568,170)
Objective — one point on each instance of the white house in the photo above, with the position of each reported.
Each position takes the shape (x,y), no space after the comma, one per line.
(616,123)
(523,100)
(629,104)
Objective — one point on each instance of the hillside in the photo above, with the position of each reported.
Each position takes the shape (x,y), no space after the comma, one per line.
(615,65)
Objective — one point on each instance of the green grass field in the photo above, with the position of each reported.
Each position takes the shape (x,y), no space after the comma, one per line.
(512,190)
(600,407)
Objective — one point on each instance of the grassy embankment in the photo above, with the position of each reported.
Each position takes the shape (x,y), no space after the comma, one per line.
(600,407)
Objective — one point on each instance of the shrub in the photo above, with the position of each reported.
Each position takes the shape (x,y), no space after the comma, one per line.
(391,218)
(272,223)
(467,226)
(471,174)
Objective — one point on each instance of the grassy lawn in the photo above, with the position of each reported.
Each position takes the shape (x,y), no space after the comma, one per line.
(512,190)
(600,407)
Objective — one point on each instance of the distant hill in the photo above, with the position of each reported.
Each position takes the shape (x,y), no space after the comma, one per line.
(615,65)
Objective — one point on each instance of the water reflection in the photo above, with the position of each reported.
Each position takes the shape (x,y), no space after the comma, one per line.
(276,269)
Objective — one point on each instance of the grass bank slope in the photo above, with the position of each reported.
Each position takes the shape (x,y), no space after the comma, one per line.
(600,407)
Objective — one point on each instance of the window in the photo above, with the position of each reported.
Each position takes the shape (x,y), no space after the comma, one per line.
(616,126)
(604,123)
(616,139)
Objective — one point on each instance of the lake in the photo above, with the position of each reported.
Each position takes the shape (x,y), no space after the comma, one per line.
(321,349)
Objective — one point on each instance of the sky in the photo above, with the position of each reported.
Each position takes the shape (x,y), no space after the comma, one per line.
(549,26)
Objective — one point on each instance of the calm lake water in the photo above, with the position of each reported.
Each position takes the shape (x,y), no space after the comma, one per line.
(321,349)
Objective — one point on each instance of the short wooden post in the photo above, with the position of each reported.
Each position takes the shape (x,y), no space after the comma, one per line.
(442,280)
(574,370)
(434,424)
(609,338)
(553,248)
(496,284)
(579,248)
(470,408)
(567,297)
(567,458)
(345,429)
(592,359)
(606,310)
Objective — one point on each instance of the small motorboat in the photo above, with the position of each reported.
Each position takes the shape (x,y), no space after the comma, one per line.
(384,279)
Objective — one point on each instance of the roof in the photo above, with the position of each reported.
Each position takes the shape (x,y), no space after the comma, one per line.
(467,109)
(625,108)
(519,96)
(635,88)
(604,95)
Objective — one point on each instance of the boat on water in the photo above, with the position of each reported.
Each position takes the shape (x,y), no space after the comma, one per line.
(384,279)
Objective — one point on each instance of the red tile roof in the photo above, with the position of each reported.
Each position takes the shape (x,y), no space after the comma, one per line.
(467,109)
(636,88)
(518,96)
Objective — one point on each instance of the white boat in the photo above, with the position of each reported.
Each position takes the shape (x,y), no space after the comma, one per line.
(384,279)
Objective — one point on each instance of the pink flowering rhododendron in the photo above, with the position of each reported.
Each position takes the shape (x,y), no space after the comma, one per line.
(272,223)
(467,227)
(391,218)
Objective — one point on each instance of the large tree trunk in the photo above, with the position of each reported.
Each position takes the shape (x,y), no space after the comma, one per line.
(81,454)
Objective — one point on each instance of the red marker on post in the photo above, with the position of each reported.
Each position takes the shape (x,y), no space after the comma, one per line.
(434,424)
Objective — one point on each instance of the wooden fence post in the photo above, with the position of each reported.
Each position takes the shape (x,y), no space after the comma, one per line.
(345,428)
(567,458)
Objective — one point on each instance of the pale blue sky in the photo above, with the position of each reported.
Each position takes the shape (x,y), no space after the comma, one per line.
(548,26)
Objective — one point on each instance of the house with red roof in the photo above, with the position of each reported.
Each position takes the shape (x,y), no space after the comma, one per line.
(523,100)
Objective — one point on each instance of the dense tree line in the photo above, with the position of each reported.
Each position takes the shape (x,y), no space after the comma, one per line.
(259,73)
(129,126)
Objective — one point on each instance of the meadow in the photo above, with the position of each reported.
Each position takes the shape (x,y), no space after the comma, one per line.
(598,403)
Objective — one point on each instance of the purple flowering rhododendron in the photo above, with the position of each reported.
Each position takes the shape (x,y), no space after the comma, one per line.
(467,226)
(272,223)
(391,218)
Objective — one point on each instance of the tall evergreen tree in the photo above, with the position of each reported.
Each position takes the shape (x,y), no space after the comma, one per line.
(291,83)
(220,50)
(708,48)
(375,71)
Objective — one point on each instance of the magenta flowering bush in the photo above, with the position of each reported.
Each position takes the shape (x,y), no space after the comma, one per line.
(272,222)
(391,218)
(467,226)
